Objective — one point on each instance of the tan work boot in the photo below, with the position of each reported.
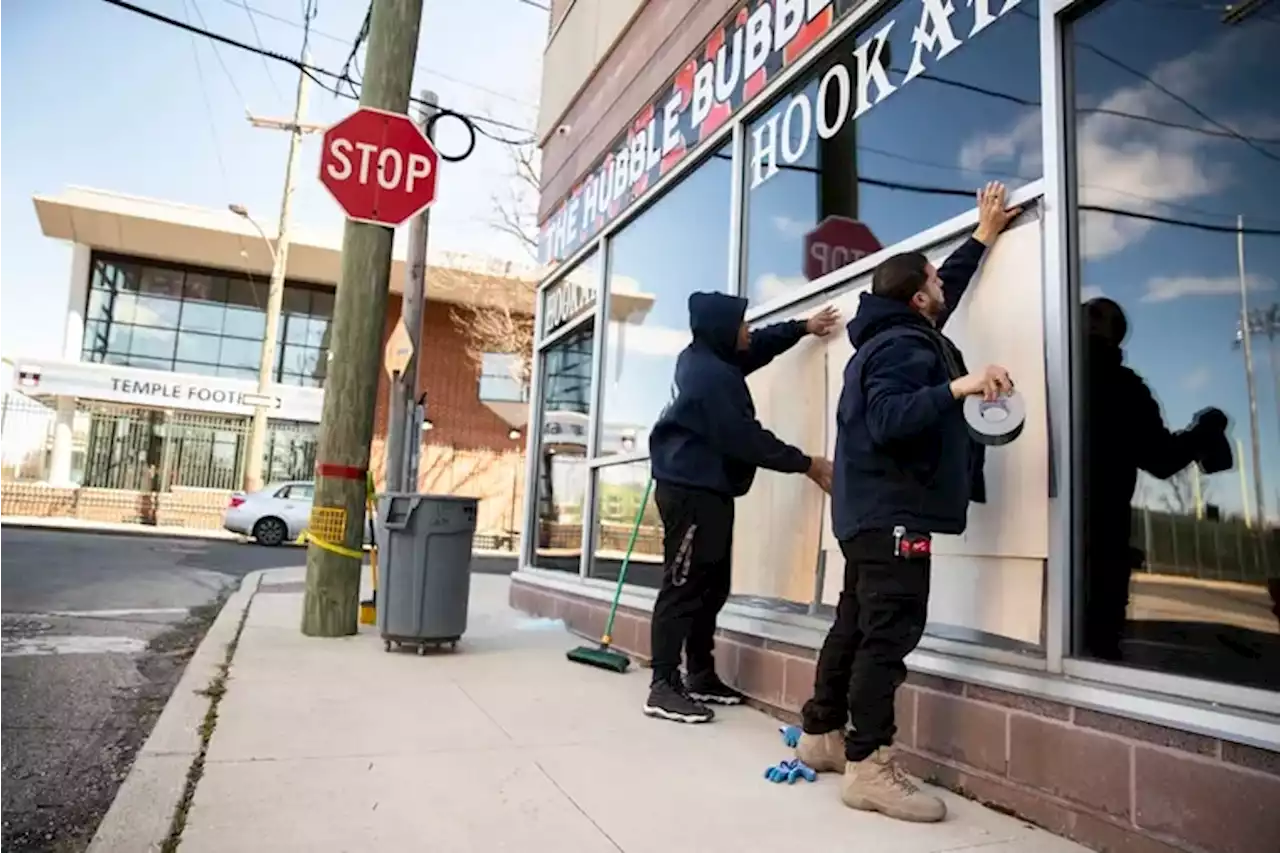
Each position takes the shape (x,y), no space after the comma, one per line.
(824,753)
(878,784)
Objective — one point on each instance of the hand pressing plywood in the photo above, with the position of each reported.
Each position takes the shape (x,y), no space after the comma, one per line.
(777,524)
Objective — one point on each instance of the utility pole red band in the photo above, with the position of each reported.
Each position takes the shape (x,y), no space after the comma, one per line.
(341,472)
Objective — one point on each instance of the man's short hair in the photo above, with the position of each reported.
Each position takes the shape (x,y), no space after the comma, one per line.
(901,277)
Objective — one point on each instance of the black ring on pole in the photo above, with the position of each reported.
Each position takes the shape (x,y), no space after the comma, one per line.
(471,134)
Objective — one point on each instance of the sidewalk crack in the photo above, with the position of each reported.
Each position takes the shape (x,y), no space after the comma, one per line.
(482,710)
(581,810)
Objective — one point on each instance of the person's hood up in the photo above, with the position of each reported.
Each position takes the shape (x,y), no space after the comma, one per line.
(714,319)
(876,313)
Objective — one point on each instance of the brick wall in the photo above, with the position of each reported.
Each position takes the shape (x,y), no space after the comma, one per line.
(451,381)
(663,34)
(1114,784)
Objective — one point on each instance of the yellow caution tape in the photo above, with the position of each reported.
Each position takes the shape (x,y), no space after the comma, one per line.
(308,536)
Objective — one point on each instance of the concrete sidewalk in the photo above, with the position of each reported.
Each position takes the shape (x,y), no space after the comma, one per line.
(335,745)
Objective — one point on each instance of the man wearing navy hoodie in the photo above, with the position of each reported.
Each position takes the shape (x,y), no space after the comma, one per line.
(905,468)
(704,451)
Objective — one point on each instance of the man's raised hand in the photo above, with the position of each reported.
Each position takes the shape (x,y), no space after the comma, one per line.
(823,322)
(993,214)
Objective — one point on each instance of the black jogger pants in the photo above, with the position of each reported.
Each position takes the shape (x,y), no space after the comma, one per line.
(879,620)
(697,545)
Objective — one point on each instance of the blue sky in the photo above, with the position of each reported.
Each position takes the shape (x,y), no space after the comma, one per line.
(98,96)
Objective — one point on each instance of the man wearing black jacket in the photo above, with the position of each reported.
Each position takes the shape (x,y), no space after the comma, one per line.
(905,468)
(704,451)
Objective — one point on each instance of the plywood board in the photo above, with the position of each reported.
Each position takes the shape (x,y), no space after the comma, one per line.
(777,525)
(1000,321)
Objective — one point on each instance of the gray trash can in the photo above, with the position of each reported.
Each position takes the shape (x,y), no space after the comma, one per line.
(425,570)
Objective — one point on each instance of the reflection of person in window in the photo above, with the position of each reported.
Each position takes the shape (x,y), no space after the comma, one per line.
(705,449)
(905,468)
(1125,432)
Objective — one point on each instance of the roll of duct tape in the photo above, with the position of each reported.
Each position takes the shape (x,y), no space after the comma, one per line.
(995,422)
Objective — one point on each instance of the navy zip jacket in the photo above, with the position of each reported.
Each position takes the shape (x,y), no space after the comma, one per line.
(708,436)
(903,452)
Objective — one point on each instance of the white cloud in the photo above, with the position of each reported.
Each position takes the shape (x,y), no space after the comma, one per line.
(1130,164)
(789,227)
(770,286)
(1198,379)
(650,340)
(1090,292)
(1168,288)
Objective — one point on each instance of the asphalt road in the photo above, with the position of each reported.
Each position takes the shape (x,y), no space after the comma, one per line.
(96,631)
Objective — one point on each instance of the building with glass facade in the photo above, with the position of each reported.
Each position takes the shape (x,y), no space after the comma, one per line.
(779,150)
(144,415)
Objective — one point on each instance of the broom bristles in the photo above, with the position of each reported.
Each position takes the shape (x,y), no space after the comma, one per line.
(599,657)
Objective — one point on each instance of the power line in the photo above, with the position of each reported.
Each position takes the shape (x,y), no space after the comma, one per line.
(536,5)
(315,72)
(346,42)
(257,36)
(195,7)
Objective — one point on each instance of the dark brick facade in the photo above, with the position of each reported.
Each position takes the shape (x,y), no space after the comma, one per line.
(1113,784)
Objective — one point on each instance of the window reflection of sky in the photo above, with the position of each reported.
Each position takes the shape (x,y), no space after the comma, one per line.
(1180,286)
(678,246)
(970,118)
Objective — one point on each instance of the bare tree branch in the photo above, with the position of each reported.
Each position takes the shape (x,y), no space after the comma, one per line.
(508,328)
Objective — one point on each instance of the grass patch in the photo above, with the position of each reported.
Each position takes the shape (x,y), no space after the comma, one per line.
(216,689)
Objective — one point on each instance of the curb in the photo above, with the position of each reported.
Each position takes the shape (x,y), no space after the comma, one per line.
(141,814)
(70,526)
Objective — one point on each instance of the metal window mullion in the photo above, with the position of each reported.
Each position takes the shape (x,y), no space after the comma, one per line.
(598,363)
(533,460)
(1055,224)
(737,210)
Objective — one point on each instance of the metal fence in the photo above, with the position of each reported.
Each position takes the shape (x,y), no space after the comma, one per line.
(136,465)
(1226,549)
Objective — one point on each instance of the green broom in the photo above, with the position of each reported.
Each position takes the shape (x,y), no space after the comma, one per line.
(603,656)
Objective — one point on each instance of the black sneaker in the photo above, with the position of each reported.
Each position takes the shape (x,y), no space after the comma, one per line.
(669,702)
(707,687)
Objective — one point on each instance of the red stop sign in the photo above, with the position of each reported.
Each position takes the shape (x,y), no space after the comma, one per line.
(379,166)
(837,241)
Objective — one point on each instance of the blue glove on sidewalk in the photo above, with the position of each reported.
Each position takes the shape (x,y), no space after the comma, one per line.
(790,735)
(789,771)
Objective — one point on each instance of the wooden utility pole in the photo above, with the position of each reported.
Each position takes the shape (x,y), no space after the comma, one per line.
(256,446)
(331,605)
(404,387)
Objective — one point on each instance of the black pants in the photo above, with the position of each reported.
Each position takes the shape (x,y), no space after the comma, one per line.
(697,544)
(879,620)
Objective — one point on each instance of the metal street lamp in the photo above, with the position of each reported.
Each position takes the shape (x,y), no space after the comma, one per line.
(255,448)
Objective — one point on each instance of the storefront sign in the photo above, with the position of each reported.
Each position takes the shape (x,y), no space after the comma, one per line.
(749,48)
(156,388)
(565,300)
(787,133)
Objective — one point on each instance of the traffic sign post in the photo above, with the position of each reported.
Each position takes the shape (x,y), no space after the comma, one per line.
(836,242)
(379,167)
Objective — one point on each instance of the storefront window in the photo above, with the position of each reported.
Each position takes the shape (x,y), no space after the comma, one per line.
(1176,172)
(677,246)
(880,156)
(291,451)
(564,408)
(618,493)
(192,322)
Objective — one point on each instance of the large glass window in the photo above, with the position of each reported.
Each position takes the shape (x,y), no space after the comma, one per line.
(1176,171)
(881,156)
(677,246)
(619,490)
(564,409)
(195,322)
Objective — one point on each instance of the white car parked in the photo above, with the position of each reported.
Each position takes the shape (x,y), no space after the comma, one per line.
(273,515)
